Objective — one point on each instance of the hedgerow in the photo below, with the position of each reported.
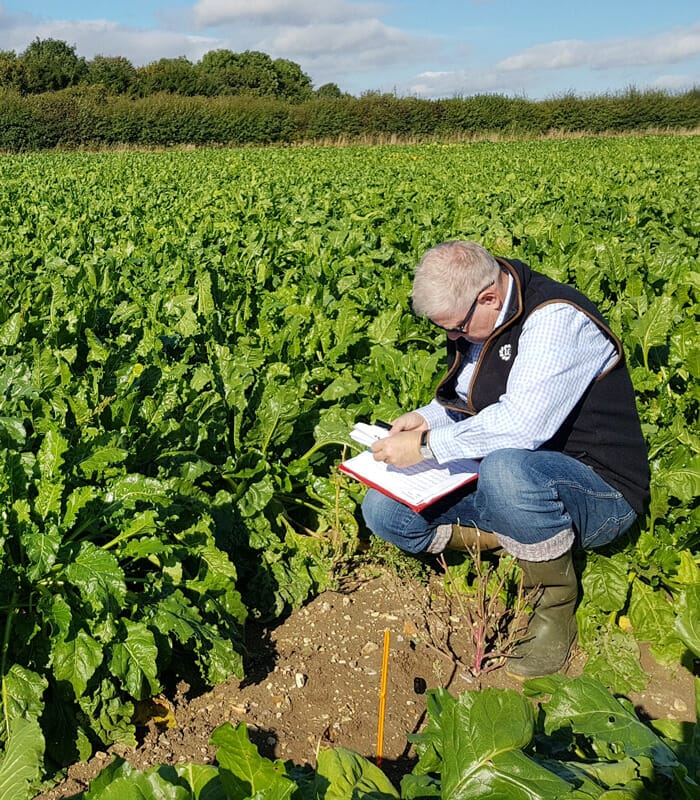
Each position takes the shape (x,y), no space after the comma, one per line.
(88,116)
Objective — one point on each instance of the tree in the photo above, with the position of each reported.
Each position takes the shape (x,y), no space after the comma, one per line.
(255,74)
(115,73)
(329,90)
(50,64)
(222,72)
(173,75)
(226,72)
(293,84)
(10,70)
(216,72)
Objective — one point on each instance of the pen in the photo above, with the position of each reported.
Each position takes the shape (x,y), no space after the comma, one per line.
(384,425)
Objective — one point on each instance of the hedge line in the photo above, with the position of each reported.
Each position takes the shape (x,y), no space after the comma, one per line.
(72,118)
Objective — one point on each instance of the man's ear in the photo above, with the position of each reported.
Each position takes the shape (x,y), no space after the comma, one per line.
(491,297)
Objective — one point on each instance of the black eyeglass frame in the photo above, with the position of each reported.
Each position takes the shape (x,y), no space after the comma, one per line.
(472,308)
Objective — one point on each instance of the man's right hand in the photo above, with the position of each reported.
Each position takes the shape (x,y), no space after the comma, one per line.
(412,421)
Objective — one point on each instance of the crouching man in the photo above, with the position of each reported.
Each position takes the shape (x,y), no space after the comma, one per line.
(537,388)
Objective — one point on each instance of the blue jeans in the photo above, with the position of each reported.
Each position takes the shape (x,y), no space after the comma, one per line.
(537,502)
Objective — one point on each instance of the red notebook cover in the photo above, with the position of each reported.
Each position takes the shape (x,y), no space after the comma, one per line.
(416,487)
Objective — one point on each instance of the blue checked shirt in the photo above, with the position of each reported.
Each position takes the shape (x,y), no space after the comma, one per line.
(560,352)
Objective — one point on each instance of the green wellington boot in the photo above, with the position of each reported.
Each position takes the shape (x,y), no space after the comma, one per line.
(466,538)
(551,629)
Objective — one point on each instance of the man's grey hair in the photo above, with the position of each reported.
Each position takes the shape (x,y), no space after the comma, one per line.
(449,277)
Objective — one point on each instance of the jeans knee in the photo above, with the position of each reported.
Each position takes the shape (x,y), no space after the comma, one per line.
(502,474)
(372,510)
(392,521)
(383,515)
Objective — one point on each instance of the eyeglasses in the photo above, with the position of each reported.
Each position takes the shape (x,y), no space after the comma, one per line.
(472,308)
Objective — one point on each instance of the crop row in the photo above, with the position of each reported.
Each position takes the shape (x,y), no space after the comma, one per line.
(187,339)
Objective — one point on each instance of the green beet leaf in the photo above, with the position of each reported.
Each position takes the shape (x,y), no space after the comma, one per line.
(51,451)
(419,787)
(10,329)
(133,660)
(121,782)
(102,458)
(483,735)
(243,770)
(613,658)
(584,706)
(605,581)
(129,490)
(680,474)
(20,765)
(23,692)
(118,768)
(651,615)
(344,775)
(203,781)
(653,326)
(75,659)
(96,574)
(13,429)
(41,548)
(687,624)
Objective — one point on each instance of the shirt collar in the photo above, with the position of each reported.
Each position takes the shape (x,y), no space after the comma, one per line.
(506,303)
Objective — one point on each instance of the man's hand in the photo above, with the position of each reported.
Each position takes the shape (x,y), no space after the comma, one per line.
(401,449)
(412,421)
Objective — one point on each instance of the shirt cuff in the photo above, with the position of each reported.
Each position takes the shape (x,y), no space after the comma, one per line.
(444,445)
(434,414)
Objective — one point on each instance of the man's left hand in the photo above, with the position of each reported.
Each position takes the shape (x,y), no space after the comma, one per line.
(400,449)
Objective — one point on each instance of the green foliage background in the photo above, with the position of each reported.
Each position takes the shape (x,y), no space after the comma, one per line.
(93,116)
(187,338)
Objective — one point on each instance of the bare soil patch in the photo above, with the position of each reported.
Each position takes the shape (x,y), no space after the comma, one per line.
(314,679)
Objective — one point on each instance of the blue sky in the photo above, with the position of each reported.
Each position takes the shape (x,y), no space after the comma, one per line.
(533,48)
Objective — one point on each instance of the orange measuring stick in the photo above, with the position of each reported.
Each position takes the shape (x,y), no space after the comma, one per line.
(382,698)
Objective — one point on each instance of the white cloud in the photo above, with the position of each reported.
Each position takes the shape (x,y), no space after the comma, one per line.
(674,83)
(337,41)
(331,39)
(664,48)
(359,44)
(212,13)
(334,40)
(101,37)
(348,43)
(461,82)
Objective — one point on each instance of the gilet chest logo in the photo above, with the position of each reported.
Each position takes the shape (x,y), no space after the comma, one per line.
(504,352)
